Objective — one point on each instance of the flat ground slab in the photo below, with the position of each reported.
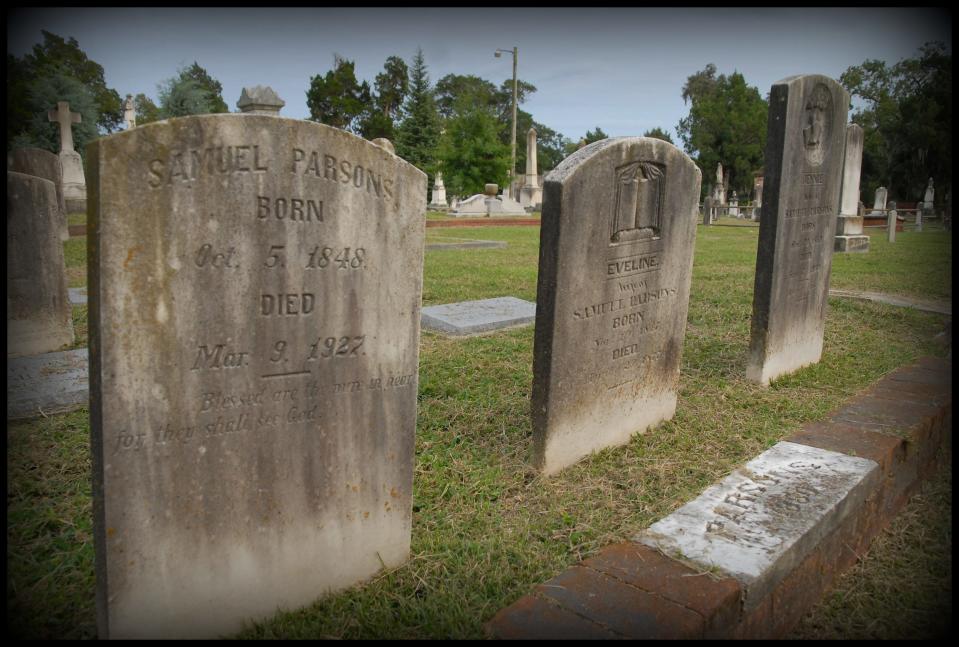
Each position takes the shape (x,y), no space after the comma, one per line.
(474,317)
(443,242)
(48,383)
(928,305)
(762,520)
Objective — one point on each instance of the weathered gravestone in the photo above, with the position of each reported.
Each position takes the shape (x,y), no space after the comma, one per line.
(804,155)
(38,306)
(253,367)
(616,254)
(42,163)
(71,165)
(849,236)
(708,210)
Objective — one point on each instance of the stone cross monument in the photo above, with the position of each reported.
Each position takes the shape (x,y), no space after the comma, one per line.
(74,183)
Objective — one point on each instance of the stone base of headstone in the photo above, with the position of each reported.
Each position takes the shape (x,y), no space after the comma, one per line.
(475,317)
(531,197)
(851,243)
(848,225)
(48,383)
(74,183)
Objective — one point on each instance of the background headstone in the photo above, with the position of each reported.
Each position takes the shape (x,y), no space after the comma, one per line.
(438,198)
(616,255)
(38,307)
(879,203)
(531,194)
(803,162)
(253,368)
(892,222)
(708,210)
(260,100)
(849,236)
(129,113)
(42,163)
(71,164)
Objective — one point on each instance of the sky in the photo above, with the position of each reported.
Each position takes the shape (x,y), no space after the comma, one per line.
(620,69)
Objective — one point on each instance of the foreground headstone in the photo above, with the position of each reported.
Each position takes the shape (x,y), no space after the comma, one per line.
(38,306)
(253,368)
(616,255)
(849,236)
(42,163)
(803,164)
(761,521)
(71,165)
(475,317)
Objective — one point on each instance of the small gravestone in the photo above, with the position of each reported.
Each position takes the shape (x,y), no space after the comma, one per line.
(616,255)
(38,306)
(42,163)
(879,203)
(474,317)
(708,210)
(71,164)
(803,162)
(254,328)
(892,221)
(849,236)
(759,523)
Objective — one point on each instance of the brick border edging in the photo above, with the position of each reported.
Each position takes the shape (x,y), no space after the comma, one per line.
(630,590)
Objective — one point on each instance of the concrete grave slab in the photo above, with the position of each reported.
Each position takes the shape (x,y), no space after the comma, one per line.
(474,317)
(759,523)
(48,383)
(78,296)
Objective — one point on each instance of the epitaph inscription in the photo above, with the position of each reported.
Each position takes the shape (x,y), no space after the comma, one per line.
(801,191)
(612,299)
(253,368)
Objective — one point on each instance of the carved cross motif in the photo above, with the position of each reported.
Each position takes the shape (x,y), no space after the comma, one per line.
(65,118)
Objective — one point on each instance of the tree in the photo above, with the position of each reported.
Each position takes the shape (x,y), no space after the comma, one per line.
(470,152)
(43,95)
(213,87)
(146,111)
(659,133)
(392,86)
(182,95)
(55,58)
(338,99)
(907,122)
(455,87)
(726,124)
(419,131)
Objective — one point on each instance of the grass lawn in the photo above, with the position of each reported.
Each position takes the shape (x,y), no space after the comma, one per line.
(486,527)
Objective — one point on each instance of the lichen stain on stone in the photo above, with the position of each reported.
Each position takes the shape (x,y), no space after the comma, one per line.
(131,253)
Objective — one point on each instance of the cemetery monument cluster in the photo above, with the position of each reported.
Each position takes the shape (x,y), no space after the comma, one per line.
(254,352)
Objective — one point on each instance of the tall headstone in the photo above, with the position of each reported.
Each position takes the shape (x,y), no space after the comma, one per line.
(879,203)
(616,255)
(253,368)
(38,304)
(892,221)
(260,100)
(927,199)
(757,197)
(849,233)
(531,195)
(42,163)
(129,113)
(438,199)
(803,163)
(71,164)
(734,206)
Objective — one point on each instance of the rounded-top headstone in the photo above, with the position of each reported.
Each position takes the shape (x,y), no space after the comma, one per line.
(616,251)
(253,368)
(806,133)
(38,304)
(42,163)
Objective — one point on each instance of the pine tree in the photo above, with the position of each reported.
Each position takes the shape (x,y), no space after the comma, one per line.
(419,132)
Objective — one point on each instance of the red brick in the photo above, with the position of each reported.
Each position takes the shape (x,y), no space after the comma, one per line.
(716,600)
(851,440)
(623,608)
(795,595)
(756,623)
(533,618)
(914,392)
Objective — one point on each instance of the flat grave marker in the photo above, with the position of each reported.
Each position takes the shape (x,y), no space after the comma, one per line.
(476,317)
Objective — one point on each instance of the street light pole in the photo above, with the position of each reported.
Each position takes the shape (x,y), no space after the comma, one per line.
(512,169)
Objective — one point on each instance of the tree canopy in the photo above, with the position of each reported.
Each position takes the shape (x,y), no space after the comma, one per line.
(419,132)
(726,124)
(338,99)
(391,86)
(659,133)
(907,123)
(470,152)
